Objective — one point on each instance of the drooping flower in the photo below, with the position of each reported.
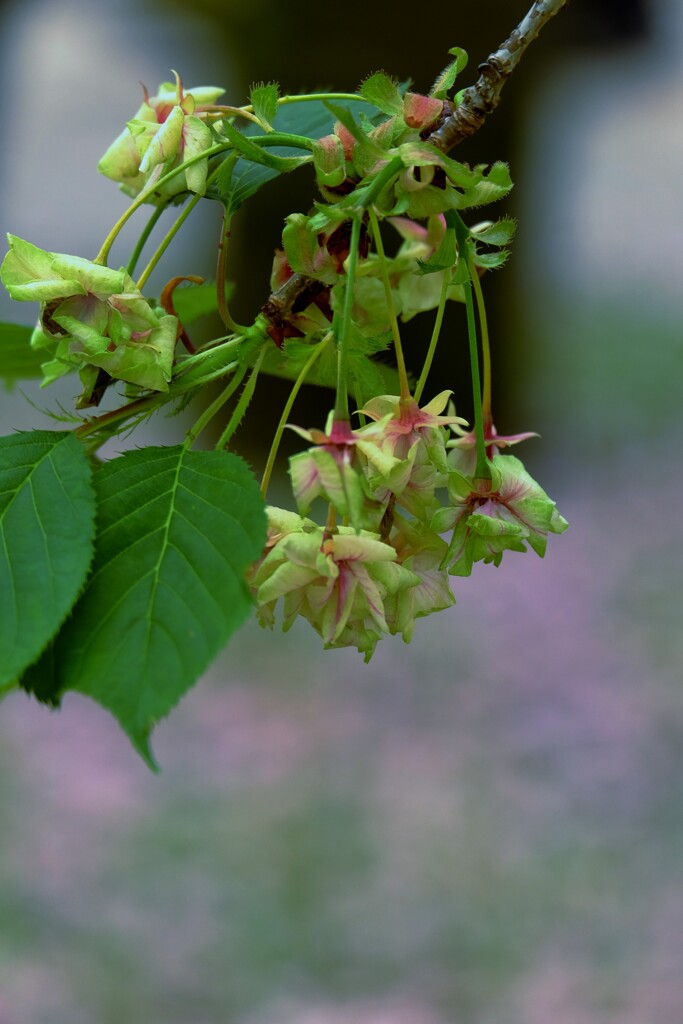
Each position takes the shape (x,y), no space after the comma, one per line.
(91,316)
(415,437)
(339,581)
(489,517)
(332,469)
(168,129)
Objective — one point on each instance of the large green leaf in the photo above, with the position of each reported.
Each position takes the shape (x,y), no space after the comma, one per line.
(177,530)
(193,301)
(47,513)
(18,361)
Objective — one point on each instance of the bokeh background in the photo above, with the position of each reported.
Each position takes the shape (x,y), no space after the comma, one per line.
(485,827)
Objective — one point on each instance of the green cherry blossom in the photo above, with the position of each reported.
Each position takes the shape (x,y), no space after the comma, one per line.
(338,581)
(91,316)
(489,517)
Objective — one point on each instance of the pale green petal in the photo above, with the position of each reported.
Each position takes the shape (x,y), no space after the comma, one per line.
(30,275)
(197,138)
(122,159)
(166,142)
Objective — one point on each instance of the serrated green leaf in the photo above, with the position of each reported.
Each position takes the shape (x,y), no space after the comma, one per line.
(444,83)
(263,99)
(41,679)
(492,184)
(177,530)
(18,361)
(500,233)
(47,514)
(491,260)
(383,92)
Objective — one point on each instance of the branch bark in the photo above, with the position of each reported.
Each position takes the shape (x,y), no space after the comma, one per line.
(480,99)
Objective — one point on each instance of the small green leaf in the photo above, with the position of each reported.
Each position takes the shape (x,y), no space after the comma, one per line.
(444,83)
(47,513)
(383,92)
(18,361)
(329,161)
(491,260)
(177,531)
(263,99)
(445,257)
(500,233)
(492,184)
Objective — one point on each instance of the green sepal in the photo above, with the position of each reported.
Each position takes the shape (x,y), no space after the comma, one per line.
(383,92)
(264,99)
(304,252)
(499,233)
(445,81)
(329,161)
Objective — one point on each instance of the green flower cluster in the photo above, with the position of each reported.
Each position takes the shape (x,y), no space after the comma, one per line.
(394,486)
(92,318)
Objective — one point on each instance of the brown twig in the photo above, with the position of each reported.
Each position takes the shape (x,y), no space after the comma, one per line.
(480,99)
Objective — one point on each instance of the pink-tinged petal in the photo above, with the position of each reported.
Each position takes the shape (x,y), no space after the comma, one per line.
(360,548)
(421,111)
(346,138)
(409,229)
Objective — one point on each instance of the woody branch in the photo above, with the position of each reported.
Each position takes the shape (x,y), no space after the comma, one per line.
(480,99)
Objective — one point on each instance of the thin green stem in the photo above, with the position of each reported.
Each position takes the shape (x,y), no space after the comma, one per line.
(211,410)
(282,139)
(394,167)
(167,239)
(312,96)
(388,294)
(103,254)
(342,334)
(221,276)
(205,366)
(147,192)
(482,470)
(140,405)
(272,454)
(433,341)
(485,346)
(140,244)
(241,407)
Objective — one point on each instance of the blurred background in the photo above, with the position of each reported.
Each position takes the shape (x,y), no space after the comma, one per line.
(485,827)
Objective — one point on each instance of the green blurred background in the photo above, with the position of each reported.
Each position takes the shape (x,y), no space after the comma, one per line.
(485,827)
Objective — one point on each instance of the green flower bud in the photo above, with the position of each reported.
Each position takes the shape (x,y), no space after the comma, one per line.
(168,129)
